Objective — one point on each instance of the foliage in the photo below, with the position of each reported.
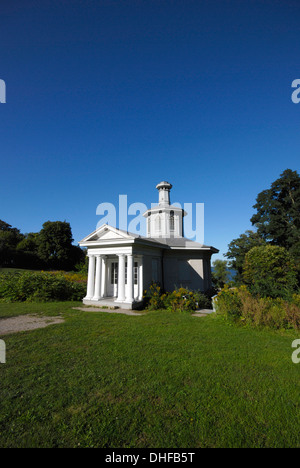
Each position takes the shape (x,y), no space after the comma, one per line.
(239,304)
(229,303)
(27,252)
(41,286)
(153,297)
(270,271)
(9,239)
(220,273)
(51,248)
(278,213)
(238,248)
(180,299)
(55,245)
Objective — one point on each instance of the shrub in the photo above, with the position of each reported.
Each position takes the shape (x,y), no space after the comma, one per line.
(40,286)
(239,304)
(229,303)
(270,271)
(181,299)
(203,301)
(154,299)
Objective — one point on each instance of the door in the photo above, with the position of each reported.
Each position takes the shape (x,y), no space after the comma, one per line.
(112,283)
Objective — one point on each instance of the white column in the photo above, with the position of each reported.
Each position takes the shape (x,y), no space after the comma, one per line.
(141,279)
(121,278)
(91,277)
(103,275)
(97,293)
(130,284)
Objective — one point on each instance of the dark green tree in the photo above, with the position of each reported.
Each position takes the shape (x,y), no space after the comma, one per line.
(27,252)
(55,246)
(220,273)
(238,248)
(277,219)
(9,239)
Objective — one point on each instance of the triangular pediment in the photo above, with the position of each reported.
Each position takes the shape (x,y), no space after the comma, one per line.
(104,233)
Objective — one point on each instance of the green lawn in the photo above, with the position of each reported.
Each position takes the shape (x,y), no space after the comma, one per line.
(160,380)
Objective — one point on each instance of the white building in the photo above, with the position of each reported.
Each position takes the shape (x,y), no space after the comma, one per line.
(122,265)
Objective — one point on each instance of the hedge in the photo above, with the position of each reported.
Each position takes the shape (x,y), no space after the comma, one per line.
(40,287)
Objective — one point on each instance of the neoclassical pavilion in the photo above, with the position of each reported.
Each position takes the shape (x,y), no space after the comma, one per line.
(122,265)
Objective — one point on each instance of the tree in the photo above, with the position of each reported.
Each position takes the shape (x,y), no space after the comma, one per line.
(55,246)
(270,271)
(278,213)
(220,273)
(238,248)
(27,252)
(9,239)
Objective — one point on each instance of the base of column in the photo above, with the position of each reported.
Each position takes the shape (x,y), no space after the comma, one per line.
(113,304)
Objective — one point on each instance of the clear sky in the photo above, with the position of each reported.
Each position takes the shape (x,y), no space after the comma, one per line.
(110,97)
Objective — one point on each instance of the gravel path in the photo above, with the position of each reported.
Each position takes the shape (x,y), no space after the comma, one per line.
(109,311)
(25,323)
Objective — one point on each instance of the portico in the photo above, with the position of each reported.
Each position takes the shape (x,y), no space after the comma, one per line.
(118,277)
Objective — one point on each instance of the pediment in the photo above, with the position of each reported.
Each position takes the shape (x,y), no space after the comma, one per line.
(106,233)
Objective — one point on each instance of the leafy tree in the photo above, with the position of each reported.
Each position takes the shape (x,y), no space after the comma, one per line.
(27,252)
(238,248)
(9,239)
(278,213)
(55,246)
(270,271)
(220,273)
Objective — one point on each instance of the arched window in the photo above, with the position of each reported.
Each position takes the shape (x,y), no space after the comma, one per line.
(158,222)
(172,221)
(149,224)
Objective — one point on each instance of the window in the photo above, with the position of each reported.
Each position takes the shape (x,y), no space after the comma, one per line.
(135,272)
(158,222)
(114,273)
(172,221)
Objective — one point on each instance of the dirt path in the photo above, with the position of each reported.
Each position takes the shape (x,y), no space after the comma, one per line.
(25,323)
(109,311)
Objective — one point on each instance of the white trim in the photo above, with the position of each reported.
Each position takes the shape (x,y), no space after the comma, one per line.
(103,228)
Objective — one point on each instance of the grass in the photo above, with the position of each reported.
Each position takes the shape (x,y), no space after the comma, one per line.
(159,380)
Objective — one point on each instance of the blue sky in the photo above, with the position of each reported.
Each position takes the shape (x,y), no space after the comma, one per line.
(111,97)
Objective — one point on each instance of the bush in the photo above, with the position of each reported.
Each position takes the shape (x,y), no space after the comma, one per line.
(229,303)
(239,304)
(270,271)
(153,297)
(181,299)
(40,286)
